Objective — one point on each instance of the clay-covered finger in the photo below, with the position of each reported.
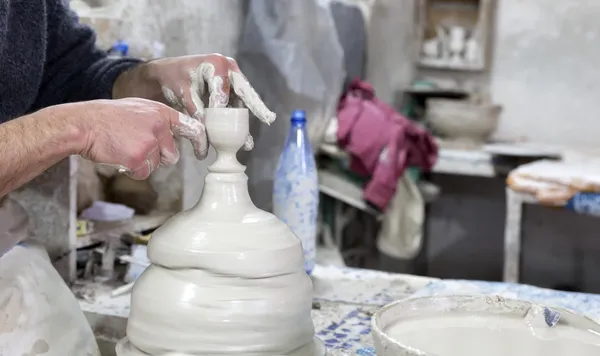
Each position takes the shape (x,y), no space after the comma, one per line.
(172,99)
(235,101)
(193,101)
(250,97)
(218,85)
(249,144)
(169,154)
(192,130)
(200,146)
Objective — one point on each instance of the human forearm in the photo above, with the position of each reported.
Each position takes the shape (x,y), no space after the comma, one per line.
(131,134)
(33,143)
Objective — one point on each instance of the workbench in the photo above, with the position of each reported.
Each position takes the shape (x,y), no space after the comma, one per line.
(582,202)
(344,301)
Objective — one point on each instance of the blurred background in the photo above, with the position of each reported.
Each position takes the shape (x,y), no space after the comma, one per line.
(488,108)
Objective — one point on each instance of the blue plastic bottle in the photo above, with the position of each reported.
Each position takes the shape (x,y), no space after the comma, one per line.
(296,190)
(119,49)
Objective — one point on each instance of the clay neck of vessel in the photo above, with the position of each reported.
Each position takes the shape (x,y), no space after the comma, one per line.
(225,196)
(225,191)
(226,161)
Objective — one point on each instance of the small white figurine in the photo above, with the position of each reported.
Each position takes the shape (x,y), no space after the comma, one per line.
(442,37)
(457,37)
(431,48)
(472,50)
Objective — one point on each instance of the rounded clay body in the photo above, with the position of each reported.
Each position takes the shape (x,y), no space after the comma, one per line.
(226,277)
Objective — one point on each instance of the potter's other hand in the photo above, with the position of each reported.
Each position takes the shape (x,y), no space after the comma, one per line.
(135,134)
(190,83)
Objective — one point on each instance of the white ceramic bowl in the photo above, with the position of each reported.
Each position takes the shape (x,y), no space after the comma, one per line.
(462,120)
(430,334)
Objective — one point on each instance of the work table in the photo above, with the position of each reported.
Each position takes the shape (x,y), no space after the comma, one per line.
(344,301)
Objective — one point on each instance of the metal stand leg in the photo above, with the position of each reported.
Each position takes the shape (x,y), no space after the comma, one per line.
(512,236)
(338,224)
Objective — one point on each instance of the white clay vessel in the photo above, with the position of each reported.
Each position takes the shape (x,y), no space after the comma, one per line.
(226,277)
(481,325)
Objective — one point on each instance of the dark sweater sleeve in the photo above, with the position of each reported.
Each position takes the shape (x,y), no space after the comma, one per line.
(75,70)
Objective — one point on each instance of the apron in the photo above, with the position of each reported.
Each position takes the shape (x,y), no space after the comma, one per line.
(39,315)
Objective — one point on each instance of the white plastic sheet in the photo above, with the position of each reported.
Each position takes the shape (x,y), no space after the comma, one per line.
(401,233)
(291,54)
(39,314)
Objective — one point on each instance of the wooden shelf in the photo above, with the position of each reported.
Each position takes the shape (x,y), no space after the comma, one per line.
(438,93)
(450,161)
(441,64)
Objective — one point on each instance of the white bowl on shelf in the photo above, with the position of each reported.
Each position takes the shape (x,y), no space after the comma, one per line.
(462,120)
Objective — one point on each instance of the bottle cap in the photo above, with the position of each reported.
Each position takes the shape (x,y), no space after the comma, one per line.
(121,48)
(298,116)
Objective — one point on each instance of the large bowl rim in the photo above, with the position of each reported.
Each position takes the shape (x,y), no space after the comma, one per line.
(375,329)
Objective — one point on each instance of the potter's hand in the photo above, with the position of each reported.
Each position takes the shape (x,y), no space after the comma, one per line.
(189,83)
(135,134)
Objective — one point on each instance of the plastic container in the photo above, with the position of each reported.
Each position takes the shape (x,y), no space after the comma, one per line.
(296,190)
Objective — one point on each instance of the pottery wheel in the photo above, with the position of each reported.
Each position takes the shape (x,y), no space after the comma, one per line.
(125,348)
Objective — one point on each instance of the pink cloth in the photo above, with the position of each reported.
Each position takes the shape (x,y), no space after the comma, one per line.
(382,143)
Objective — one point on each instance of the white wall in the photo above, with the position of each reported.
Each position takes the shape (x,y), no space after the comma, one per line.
(546,71)
(390,54)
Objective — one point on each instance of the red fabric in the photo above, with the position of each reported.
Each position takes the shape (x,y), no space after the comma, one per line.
(381,142)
